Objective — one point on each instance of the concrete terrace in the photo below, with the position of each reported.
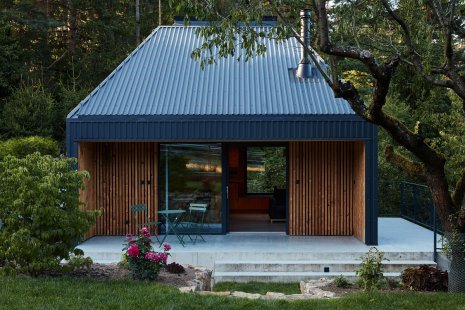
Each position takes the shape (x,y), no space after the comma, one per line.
(398,238)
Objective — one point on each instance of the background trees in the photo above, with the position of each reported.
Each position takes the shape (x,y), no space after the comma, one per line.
(54,52)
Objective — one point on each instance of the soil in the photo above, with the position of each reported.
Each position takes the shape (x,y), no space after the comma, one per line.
(115,272)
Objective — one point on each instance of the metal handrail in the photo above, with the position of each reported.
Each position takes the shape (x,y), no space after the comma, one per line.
(413,208)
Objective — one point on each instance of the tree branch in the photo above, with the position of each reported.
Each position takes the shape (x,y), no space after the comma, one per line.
(310,52)
(403,162)
(416,62)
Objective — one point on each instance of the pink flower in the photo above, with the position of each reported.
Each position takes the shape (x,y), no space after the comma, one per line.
(163,257)
(145,231)
(128,236)
(166,247)
(132,241)
(133,251)
(152,256)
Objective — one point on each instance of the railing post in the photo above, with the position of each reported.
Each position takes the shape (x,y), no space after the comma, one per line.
(435,253)
(402,198)
(415,201)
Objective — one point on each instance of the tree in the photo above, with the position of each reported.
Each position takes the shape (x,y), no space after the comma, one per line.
(425,38)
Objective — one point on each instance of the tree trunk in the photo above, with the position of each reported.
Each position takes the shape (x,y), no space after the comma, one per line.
(437,182)
(137,22)
(72,25)
(457,263)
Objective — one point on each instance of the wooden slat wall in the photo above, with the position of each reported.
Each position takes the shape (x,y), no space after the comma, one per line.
(324,191)
(121,175)
(359,190)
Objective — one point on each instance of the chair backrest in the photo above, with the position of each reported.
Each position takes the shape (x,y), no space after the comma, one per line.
(197,211)
(138,208)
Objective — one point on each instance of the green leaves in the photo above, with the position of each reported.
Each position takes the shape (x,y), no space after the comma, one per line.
(370,272)
(39,206)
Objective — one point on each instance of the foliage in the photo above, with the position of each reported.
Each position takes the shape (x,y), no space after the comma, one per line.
(424,278)
(370,272)
(272,164)
(393,283)
(52,53)
(175,268)
(40,212)
(144,262)
(21,147)
(454,244)
(77,261)
(341,281)
(28,112)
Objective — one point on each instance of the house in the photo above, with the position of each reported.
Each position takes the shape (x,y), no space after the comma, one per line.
(161,131)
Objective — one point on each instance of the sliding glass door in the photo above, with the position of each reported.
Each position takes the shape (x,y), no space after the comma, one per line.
(191,173)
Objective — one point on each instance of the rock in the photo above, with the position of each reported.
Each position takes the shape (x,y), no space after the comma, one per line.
(204,276)
(273,295)
(225,293)
(299,296)
(307,286)
(246,295)
(319,293)
(197,284)
(187,289)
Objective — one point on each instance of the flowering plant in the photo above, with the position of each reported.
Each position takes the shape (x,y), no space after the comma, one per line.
(143,261)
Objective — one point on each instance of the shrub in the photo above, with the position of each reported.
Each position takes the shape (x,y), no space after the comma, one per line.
(425,278)
(42,222)
(77,261)
(175,268)
(21,147)
(370,273)
(341,281)
(144,263)
(393,283)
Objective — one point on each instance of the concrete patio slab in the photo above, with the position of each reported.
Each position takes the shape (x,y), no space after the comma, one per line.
(398,238)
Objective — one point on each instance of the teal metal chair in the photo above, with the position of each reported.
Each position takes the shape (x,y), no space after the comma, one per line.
(139,210)
(193,227)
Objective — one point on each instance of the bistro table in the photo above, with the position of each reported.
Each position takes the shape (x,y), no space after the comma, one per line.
(171,221)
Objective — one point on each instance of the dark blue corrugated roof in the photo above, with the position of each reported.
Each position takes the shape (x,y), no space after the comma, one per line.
(161,79)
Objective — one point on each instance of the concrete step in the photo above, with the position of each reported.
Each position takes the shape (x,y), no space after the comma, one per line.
(207,259)
(311,266)
(284,276)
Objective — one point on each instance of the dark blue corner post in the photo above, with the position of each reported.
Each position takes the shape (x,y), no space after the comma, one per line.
(371,189)
(71,144)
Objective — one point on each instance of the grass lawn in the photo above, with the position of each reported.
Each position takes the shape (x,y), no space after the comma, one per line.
(65,293)
(258,287)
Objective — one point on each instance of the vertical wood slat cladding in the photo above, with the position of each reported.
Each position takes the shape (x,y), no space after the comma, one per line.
(327,188)
(359,191)
(121,175)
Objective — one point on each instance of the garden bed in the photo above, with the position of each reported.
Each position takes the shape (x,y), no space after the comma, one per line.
(115,272)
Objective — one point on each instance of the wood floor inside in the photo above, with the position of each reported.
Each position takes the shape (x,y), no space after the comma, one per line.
(254,222)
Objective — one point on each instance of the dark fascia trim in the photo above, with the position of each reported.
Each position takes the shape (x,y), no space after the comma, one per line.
(234,118)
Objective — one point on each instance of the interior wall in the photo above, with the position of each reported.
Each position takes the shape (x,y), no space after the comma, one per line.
(121,175)
(239,201)
(326,192)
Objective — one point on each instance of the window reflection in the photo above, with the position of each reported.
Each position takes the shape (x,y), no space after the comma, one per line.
(192,173)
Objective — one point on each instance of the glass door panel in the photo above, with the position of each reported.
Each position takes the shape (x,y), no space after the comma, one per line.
(191,173)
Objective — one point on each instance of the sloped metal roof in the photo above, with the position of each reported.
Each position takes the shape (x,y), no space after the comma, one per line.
(161,79)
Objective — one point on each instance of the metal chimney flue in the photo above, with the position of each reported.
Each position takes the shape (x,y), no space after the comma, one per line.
(305,68)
